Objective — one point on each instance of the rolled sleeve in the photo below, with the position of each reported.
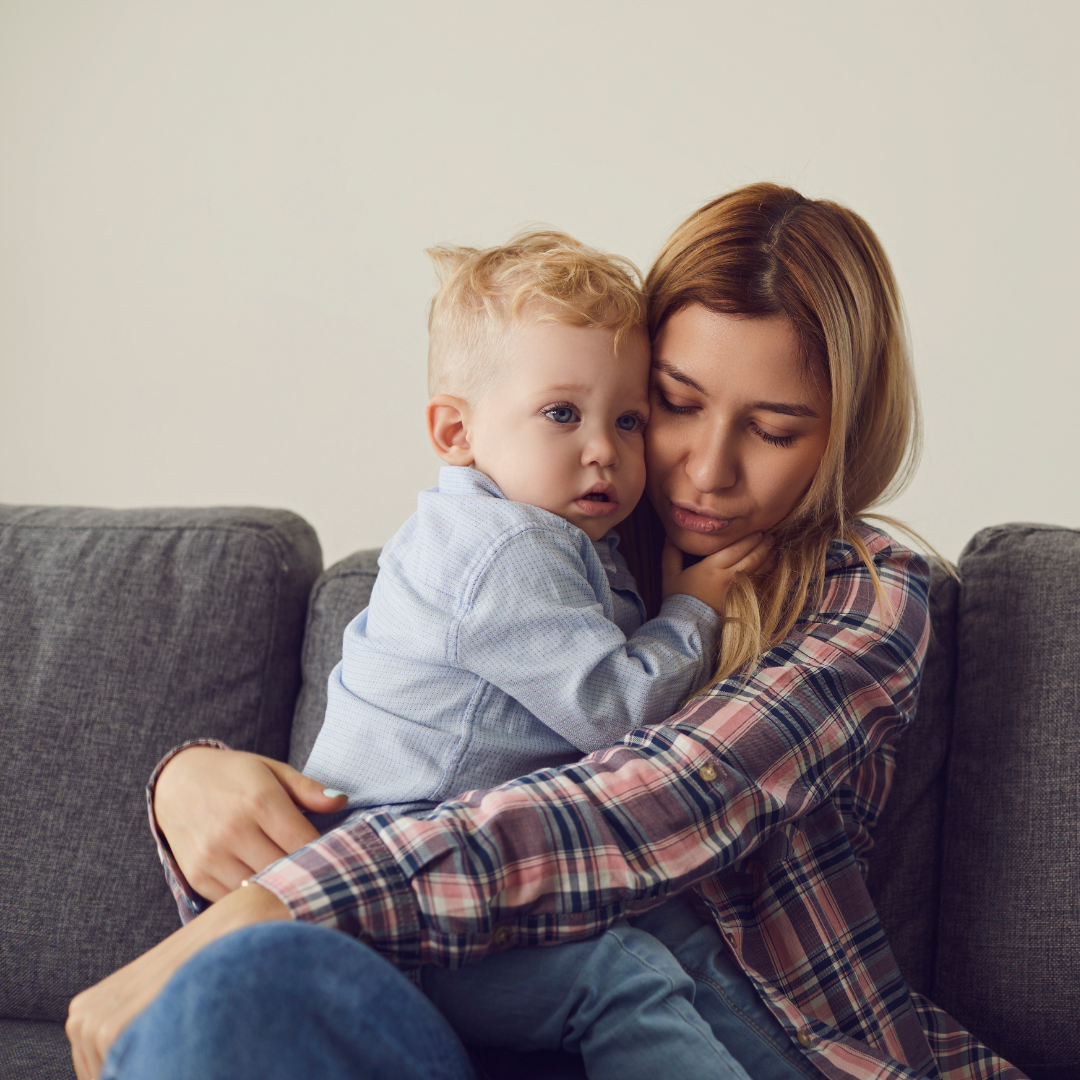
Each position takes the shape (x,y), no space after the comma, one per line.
(188,902)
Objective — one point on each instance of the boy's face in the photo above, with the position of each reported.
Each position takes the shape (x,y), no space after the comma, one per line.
(562,428)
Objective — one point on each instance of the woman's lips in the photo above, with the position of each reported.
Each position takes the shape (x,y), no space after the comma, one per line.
(697,522)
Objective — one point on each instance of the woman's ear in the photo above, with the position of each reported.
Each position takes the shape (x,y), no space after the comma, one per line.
(447,425)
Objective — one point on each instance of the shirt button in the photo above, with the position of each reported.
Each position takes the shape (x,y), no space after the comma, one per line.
(503,936)
(707,772)
(805,1038)
(365,939)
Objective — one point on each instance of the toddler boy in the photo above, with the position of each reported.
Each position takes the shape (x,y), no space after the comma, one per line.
(505,633)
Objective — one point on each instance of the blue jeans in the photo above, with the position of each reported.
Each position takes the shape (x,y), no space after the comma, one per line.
(282,1000)
(658,997)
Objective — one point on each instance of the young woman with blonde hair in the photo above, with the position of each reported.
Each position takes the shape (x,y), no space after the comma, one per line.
(737,831)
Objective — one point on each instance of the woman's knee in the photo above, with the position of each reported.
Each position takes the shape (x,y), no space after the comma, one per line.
(288,999)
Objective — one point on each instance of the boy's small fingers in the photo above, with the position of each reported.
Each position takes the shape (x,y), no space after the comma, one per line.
(729,557)
(671,559)
(761,556)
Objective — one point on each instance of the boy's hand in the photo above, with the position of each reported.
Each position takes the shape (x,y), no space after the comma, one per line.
(710,579)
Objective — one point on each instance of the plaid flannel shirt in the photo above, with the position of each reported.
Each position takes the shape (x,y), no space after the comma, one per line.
(761,796)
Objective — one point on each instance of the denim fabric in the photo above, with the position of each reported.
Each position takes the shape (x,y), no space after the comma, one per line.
(282,1000)
(286,1000)
(725,996)
(621,1000)
(492,647)
(661,997)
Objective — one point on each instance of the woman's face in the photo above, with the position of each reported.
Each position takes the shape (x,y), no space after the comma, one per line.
(736,430)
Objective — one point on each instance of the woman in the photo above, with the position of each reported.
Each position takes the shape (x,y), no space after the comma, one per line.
(782,401)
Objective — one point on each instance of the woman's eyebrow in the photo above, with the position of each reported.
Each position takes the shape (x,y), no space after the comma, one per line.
(673,372)
(786,410)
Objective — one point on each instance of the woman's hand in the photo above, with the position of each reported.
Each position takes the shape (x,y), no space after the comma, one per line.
(228,814)
(98,1016)
(710,579)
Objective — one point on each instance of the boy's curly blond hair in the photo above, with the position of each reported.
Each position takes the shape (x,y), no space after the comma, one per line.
(541,275)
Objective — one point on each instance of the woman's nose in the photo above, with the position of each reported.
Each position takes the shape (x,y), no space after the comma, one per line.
(713,464)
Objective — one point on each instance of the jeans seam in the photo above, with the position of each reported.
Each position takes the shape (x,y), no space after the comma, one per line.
(671,1008)
(800,1059)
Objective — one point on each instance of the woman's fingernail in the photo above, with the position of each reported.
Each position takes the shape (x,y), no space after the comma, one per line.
(332,793)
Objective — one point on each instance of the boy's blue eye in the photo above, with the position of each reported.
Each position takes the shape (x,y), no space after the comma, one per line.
(627,422)
(561,414)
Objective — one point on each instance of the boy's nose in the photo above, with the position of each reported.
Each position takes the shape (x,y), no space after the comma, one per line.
(601,450)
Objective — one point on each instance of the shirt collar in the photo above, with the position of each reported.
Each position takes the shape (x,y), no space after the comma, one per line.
(465,480)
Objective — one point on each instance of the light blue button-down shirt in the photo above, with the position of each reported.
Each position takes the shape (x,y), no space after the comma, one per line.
(499,640)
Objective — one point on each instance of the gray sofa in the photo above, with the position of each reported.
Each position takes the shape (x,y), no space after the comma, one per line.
(123,633)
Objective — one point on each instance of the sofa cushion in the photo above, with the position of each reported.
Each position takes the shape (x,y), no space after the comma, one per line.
(1008,960)
(339,595)
(905,862)
(34,1050)
(122,634)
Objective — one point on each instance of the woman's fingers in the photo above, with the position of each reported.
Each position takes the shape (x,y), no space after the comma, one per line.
(306,792)
(228,814)
(285,827)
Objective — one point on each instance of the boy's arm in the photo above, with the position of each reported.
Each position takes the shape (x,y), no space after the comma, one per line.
(532,625)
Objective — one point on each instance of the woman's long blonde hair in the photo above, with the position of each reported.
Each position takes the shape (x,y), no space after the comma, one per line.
(764,250)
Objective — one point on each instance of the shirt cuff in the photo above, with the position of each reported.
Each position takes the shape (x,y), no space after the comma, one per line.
(683,607)
(188,902)
(349,880)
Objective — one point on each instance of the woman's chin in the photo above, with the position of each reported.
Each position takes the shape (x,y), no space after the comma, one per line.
(696,543)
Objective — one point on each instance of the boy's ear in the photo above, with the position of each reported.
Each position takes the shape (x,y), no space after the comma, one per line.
(447,425)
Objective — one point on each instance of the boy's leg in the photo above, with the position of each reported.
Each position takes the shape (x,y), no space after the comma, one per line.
(621,1000)
(725,997)
(284,1000)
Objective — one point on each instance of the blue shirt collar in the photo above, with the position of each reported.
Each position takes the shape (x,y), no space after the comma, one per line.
(465,480)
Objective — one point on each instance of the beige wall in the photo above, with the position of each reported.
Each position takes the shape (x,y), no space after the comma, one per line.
(212,217)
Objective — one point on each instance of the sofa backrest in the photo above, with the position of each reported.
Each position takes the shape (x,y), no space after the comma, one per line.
(340,594)
(1008,955)
(122,634)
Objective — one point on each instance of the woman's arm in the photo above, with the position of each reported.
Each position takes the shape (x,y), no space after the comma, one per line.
(562,853)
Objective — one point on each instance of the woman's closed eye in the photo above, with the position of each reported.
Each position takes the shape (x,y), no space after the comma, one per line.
(772,440)
(561,413)
(669,406)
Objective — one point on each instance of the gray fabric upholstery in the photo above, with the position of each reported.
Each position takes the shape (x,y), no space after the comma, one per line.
(339,595)
(34,1050)
(905,862)
(122,634)
(1008,959)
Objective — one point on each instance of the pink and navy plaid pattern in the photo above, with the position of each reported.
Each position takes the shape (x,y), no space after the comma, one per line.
(761,796)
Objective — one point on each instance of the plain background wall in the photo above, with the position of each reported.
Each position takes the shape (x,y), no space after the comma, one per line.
(213,216)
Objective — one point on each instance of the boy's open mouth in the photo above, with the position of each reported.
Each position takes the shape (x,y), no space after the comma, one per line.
(600,501)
